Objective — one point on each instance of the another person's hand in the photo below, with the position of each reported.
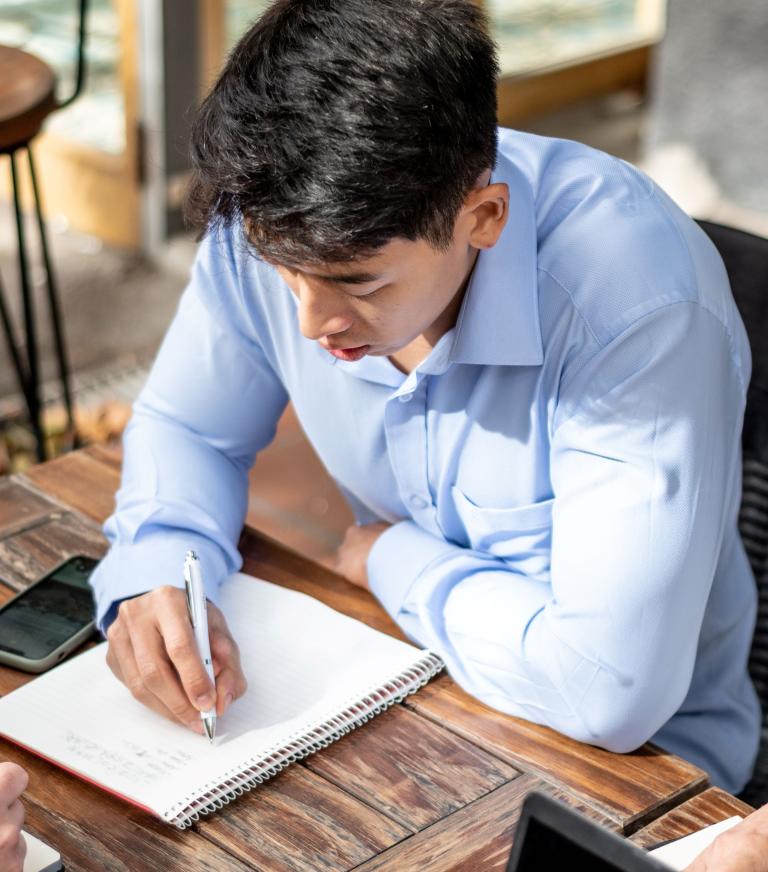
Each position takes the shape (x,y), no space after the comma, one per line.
(152,651)
(352,556)
(743,848)
(13,782)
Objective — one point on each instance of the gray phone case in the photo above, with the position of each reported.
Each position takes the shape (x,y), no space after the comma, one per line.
(58,654)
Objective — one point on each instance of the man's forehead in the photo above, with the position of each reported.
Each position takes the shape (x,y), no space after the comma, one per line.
(365,270)
(352,277)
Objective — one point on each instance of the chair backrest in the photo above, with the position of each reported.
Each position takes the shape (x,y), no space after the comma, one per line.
(80,69)
(746,260)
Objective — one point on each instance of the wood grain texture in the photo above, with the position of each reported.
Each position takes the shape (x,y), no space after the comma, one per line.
(477,837)
(631,788)
(95,831)
(27,555)
(82,480)
(10,679)
(411,769)
(27,97)
(110,453)
(299,821)
(706,808)
(20,508)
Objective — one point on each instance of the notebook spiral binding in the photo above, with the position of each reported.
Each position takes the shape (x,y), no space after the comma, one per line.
(184,814)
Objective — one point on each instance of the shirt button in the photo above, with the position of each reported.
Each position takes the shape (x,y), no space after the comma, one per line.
(405,398)
(418,502)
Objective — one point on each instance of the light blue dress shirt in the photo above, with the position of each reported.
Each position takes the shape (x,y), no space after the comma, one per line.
(562,473)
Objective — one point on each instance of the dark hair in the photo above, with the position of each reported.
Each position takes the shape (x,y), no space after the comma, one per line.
(339,125)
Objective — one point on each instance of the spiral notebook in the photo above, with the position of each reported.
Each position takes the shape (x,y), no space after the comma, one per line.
(313,675)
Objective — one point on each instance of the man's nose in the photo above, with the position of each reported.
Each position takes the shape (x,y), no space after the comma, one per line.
(320,313)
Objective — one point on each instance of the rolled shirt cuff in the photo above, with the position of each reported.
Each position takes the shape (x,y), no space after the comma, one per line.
(129,570)
(398,557)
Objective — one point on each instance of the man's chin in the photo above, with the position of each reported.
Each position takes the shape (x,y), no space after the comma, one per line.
(385,350)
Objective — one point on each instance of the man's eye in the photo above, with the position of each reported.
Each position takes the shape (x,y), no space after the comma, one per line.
(366,295)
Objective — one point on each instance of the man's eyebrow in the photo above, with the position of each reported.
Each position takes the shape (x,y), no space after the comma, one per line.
(361,278)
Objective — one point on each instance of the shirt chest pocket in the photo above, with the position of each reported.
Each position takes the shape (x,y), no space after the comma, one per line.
(521,536)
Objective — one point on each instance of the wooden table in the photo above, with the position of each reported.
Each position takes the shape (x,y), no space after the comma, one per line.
(435,783)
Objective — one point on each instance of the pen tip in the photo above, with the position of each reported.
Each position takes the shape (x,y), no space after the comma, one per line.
(210,728)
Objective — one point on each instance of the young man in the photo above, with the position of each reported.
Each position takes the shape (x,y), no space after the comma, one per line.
(518,359)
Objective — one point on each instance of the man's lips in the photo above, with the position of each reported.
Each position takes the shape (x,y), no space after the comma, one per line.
(350,354)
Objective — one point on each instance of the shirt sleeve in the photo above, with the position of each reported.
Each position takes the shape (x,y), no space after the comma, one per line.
(643,464)
(211,402)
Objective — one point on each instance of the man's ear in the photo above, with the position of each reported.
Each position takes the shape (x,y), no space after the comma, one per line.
(489,209)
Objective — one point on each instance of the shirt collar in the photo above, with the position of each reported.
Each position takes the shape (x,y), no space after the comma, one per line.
(498,322)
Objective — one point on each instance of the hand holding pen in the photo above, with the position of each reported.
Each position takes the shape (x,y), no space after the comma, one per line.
(152,650)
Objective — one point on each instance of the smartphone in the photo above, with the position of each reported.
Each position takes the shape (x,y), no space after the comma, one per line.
(48,620)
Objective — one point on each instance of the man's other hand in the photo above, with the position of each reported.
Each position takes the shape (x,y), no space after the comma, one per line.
(152,651)
(13,782)
(743,848)
(352,556)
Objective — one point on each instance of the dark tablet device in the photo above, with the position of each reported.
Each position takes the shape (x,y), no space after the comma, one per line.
(550,835)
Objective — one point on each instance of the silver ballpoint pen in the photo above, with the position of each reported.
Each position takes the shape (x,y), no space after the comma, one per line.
(198,615)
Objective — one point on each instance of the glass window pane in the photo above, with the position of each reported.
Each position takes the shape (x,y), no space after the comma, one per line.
(533,35)
(48,29)
(540,34)
(240,14)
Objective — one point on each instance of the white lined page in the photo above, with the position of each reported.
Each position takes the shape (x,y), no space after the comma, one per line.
(304,663)
(682,852)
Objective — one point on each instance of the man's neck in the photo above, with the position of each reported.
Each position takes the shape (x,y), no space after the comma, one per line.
(409,357)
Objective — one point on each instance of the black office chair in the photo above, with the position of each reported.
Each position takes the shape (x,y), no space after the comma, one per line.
(746,260)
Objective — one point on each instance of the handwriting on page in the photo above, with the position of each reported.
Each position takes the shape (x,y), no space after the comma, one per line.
(137,762)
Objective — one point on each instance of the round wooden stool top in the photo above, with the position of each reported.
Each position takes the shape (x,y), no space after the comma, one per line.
(26,96)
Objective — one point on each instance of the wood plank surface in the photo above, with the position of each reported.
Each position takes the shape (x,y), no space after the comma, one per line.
(10,679)
(477,837)
(95,831)
(20,508)
(83,480)
(700,811)
(630,788)
(110,453)
(411,769)
(27,555)
(299,821)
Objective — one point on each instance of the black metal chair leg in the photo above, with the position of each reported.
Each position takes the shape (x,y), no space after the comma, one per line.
(53,301)
(13,348)
(28,303)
